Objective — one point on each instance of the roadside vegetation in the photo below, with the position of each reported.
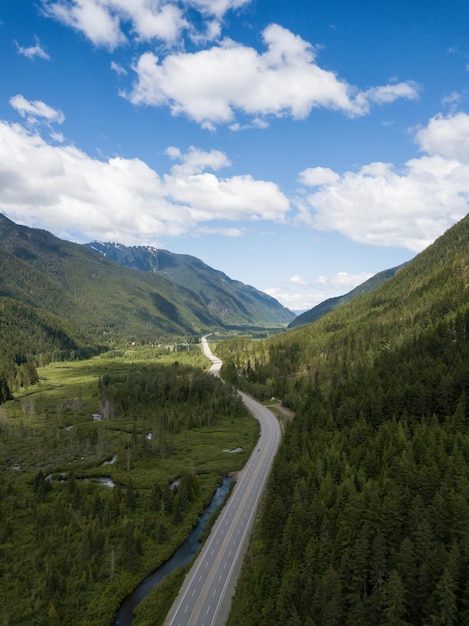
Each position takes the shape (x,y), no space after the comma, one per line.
(153,425)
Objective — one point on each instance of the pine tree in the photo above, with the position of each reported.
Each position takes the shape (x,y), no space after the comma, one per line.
(395,602)
(447,612)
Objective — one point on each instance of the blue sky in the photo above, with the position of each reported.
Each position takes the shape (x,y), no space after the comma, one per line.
(298,146)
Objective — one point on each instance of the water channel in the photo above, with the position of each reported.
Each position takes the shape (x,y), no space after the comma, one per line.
(181,557)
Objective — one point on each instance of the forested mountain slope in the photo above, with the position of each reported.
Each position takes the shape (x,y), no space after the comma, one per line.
(367,516)
(230,300)
(429,288)
(102,297)
(333,303)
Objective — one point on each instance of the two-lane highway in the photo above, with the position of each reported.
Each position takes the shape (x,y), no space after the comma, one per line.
(205,596)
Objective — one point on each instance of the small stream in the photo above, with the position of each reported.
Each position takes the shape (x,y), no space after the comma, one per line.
(62,477)
(181,557)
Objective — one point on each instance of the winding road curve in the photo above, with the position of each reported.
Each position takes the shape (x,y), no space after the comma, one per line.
(205,595)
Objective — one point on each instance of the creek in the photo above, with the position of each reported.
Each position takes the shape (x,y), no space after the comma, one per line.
(182,556)
(62,477)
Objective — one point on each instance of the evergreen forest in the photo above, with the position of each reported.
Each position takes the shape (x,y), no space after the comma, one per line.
(366,519)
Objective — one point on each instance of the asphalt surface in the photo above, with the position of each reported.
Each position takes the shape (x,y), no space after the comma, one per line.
(205,596)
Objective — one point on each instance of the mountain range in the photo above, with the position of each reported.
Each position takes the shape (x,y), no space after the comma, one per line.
(82,295)
(57,295)
(230,301)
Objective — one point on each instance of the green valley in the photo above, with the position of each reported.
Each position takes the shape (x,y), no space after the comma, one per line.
(366,517)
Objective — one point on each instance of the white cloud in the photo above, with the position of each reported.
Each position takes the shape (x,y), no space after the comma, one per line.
(155,20)
(382,206)
(226,232)
(314,176)
(57,137)
(452,101)
(297,300)
(118,69)
(90,17)
(217,8)
(387,94)
(211,32)
(235,198)
(68,192)
(33,51)
(446,136)
(254,123)
(212,85)
(297,280)
(35,110)
(111,23)
(300,295)
(196,161)
(343,280)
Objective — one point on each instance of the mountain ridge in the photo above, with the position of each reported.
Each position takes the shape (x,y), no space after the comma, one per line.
(69,280)
(311,315)
(234,302)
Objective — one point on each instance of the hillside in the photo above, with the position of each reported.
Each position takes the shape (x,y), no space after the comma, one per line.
(231,301)
(334,303)
(366,520)
(103,298)
(426,290)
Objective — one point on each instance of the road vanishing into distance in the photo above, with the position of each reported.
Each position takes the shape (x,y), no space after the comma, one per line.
(205,595)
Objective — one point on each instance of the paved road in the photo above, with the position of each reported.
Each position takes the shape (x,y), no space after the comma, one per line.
(216,362)
(205,596)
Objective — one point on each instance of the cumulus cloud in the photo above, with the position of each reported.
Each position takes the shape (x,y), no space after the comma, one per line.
(217,8)
(292,300)
(446,136)
(300,295)
(386,94)
(35,110)
(31,52)
(314,176)
(235,198)
(90,17)
(302,299)
(343,280)
(212,85)
(66,191)
(384,206)
(297,280)
(195,161)
(111,23)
